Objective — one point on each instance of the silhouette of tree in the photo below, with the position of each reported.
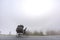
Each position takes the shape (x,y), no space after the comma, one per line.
(41,33)
(0,32)
(9,33)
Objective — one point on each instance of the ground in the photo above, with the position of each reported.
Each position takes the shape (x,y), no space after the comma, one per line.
(13,37)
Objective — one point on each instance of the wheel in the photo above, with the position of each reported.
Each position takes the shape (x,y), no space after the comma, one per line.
(18,35)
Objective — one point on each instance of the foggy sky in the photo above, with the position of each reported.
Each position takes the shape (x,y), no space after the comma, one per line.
(12,13)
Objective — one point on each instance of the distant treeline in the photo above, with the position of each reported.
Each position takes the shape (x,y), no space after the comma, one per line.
(41,33)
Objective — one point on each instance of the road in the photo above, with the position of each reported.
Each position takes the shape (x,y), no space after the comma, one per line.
(30,38)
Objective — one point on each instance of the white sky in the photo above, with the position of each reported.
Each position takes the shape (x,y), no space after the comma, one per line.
(33,14)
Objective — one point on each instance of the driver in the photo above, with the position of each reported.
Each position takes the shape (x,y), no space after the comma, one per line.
(19,29)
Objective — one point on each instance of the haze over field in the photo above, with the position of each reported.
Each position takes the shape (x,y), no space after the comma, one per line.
(33,14)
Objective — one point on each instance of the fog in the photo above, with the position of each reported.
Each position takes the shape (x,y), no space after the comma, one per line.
(33,14)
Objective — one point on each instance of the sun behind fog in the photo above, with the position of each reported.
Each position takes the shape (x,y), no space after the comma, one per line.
(36,8)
